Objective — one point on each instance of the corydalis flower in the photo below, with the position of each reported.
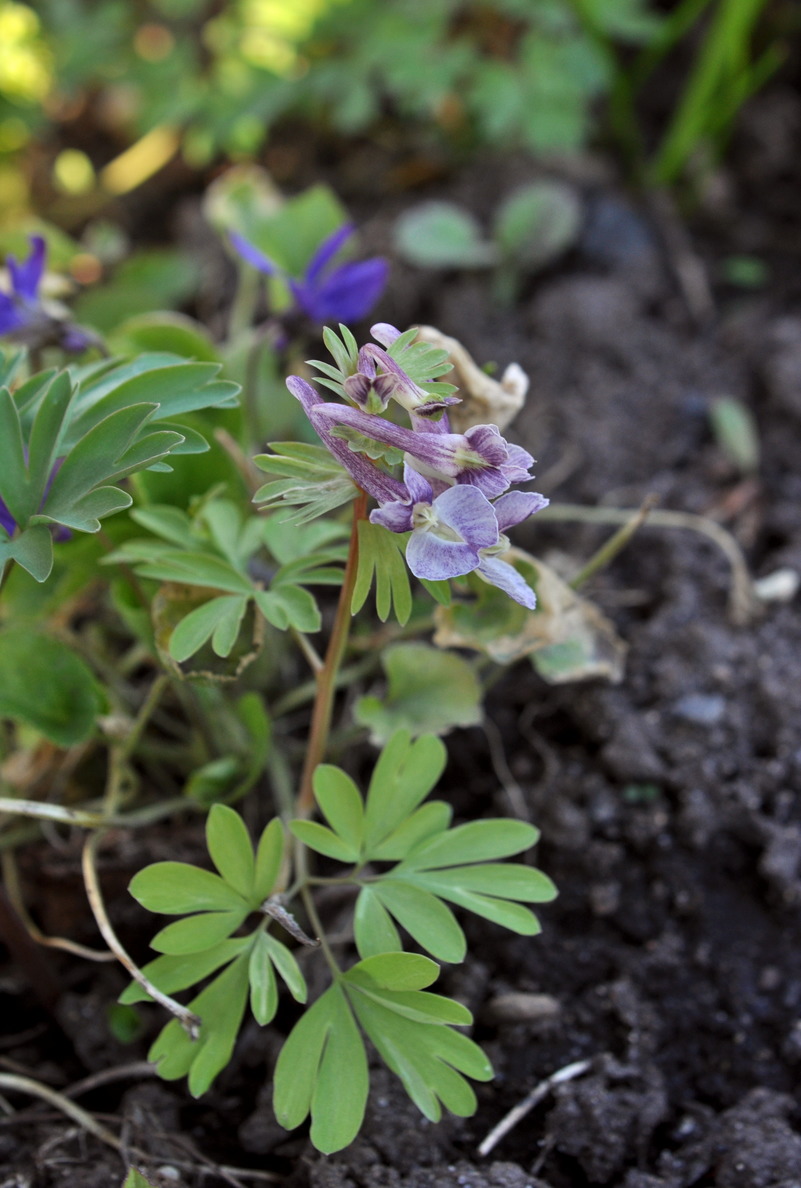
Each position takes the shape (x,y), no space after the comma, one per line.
(480,457)
(460,532)
(23,313)
(344,293)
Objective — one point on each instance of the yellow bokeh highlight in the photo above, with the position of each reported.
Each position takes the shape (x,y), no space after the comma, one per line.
(25,61)
(141,160)
(266,33)
(73,172)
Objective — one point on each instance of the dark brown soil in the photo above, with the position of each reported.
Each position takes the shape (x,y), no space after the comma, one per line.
(670,804)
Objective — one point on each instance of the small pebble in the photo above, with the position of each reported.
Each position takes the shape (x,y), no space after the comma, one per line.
(703,709)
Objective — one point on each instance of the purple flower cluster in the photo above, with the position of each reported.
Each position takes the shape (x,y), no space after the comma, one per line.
(23,314)
(454,496)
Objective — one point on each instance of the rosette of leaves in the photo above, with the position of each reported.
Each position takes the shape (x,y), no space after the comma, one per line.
(241,561)
(433,863)
(67,439)
(202,943)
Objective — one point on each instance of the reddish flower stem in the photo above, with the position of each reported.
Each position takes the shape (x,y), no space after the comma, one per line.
(326,677)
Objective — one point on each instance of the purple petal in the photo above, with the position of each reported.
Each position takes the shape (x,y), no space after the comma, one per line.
(253,256)
(349,293)
(429,556)
(489,482)
(517,506)
(506,578)
(7,521)
(375,482)
(439,451)
(466,511)
(418,486)
(486,440)
(326,251)
(384,333)
(518,464)
(26,277)
(397,517)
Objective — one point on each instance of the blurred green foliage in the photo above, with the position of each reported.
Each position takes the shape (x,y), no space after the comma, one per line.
(203,79)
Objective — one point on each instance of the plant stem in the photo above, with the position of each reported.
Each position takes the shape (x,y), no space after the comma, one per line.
(326,678)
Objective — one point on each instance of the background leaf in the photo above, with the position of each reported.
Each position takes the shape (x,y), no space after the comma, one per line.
(427,692)
(46,685)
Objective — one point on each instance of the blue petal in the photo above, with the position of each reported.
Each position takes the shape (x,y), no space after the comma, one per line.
(517,506)
(349,293)
(7,521)
(26,277)
(468,512)
(253,256)
(10,317)
(505,577)
(429,556)
(326,251)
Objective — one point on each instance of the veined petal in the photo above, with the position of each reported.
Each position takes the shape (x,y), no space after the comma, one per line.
(253,256)
(468,512)
(26,277)
(430,556)
(384,333)
(486,440)
(418,486)
(516,506)
(364,473)
(518,464)
(397,517)
(505,577)
(439,451)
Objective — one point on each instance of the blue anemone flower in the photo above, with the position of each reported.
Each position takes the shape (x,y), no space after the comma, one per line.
(345,293)
(23,313)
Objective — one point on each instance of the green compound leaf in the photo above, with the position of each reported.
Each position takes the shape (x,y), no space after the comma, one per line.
(284,961)
(289,606)
(411,1031)
(32,549)
(269,853)
(381,559)
(220,1007)
(263,986)
(373,928)
(218,619)
(429,691)
(177,972)
(194,934)
(341,804)
(268,957)
(322,1071)
(46,685)
(175,888)
(323,841)
(403,776)
(474,842)
(231,850)
(425,917)
(444,865)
